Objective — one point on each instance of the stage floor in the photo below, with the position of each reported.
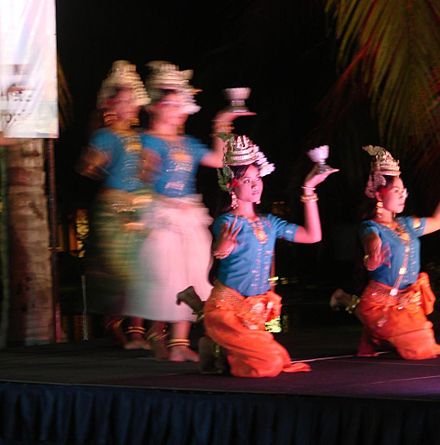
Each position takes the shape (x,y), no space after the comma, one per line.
(329,349)
(93,392)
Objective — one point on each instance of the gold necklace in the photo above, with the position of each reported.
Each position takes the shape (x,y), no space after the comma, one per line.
(396,227)
(131,140)
(258,229)
(390,224)
(402,233)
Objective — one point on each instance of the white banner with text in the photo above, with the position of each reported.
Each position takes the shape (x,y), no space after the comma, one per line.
(28,69)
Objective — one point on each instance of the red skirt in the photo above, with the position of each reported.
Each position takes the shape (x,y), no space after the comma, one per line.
(401,320)
(238,325)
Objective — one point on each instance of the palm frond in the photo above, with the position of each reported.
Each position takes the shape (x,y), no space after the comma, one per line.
(392,48)
(389,61)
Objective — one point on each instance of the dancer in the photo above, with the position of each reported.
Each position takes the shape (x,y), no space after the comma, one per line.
(242,304)
(113,157)
(176,252)
(395,302)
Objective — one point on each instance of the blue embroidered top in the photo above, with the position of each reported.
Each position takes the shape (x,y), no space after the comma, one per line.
(179,164)
(124,154)
(247,268)
(388,272)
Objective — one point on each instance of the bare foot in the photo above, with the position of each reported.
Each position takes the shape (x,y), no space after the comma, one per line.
(158,346)
(115,329)
(340,299)
(137,344)
(183,354)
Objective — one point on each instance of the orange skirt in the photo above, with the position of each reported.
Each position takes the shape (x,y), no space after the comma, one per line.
(238,325)
(401,320)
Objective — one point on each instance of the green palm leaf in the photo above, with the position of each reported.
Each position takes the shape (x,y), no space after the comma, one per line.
(391,50)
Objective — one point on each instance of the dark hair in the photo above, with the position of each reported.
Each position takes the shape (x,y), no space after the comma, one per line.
(368,206)
(240,170)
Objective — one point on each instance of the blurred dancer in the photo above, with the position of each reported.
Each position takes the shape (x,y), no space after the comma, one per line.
(176,253)
(113,156)
(395,302)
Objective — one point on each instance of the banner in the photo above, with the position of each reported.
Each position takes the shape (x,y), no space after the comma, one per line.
(28,69)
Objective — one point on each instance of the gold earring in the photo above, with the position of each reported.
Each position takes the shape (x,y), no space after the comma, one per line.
(234,203)
(109,118)
(134,122)
(379,208)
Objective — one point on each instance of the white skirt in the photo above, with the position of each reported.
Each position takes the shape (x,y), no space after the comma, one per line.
(175,254)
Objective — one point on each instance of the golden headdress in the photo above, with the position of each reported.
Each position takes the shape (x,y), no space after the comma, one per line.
(240,150)
(123,74)
(167,76)
(382,165)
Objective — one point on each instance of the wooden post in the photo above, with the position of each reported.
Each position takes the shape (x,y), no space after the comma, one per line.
(53,241)
(4,253)
(31,302)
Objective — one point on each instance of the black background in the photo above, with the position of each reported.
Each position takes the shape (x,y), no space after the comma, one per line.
(284,50)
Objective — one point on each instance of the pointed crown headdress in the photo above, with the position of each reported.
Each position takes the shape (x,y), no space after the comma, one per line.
(382,165)
(123,74)
(167,76)
(240,150)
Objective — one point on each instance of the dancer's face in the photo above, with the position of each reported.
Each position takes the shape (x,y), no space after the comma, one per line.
(172,109)
(250,186)
(124,105)
(394,196)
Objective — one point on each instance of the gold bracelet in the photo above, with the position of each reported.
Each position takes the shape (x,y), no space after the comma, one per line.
(306,187)
(309,198)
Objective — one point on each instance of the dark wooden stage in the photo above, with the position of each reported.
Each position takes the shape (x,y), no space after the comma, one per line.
(95,393)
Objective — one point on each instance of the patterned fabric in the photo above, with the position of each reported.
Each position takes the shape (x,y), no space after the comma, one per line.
(238,325)
(112,250)
(247,268)
(179,164)
(388,272)
(175,254)
(401,320)
(124,153)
